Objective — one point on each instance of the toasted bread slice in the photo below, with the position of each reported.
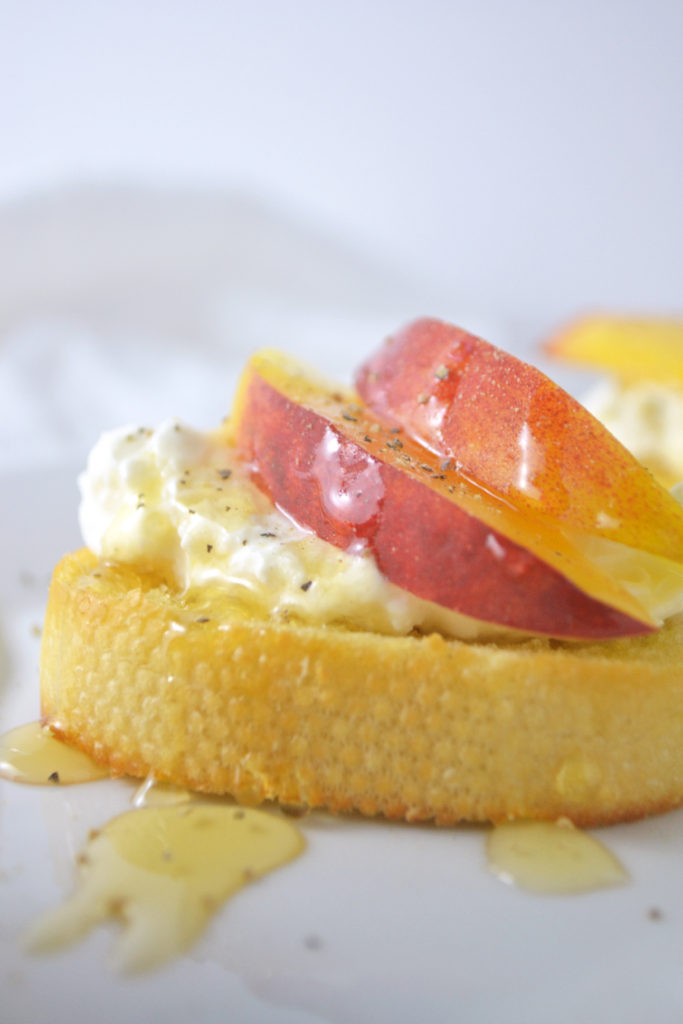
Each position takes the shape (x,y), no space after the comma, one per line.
(151,682)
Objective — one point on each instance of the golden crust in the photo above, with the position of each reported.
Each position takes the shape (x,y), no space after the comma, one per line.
(407,727)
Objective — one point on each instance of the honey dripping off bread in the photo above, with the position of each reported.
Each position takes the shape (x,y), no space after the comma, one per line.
(153,672)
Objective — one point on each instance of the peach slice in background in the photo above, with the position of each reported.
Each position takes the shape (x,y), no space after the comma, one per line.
(640,398)
(632,348)
(509,428)
(364,487)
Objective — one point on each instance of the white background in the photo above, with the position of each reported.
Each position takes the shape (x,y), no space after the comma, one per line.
(182,181)
(523,157)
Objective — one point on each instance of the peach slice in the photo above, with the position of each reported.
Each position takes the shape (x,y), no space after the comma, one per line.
(361,486)
(512,430)
(634,349)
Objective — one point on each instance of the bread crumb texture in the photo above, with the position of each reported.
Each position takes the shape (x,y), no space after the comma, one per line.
(195,692)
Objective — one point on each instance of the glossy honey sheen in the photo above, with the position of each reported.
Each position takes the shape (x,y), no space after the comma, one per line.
(551,857)
(336,470)
(31,753)
(162,872)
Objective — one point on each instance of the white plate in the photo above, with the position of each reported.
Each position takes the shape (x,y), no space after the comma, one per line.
(374,922)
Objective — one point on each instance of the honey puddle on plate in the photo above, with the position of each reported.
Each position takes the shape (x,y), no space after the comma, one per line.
(153,793)
(551,857)
(163,871)
(165,867)
(32,754)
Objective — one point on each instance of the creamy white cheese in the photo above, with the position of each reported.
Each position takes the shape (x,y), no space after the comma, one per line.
(179,498)
(646,417)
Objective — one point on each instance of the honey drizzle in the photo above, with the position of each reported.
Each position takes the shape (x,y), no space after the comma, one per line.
(551,857)
(32,754)
(166,867)
(154,793)
(163,871)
